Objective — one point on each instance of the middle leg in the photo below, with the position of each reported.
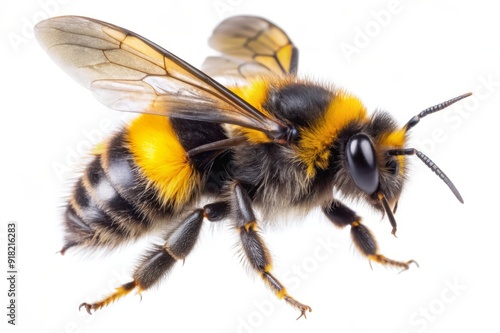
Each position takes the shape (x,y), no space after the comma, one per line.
(255,249)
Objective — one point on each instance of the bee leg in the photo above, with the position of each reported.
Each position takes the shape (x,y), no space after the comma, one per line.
(341,216)
(159,260)
(254,248)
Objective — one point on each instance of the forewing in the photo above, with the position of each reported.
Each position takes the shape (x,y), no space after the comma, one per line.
(250,46)
(127,72)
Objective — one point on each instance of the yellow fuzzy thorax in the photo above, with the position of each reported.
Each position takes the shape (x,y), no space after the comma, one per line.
(162,159)
(254,94)
(314,147)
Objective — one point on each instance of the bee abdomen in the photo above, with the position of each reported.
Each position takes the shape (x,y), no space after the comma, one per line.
(97,215)
(111,203)
(137,183)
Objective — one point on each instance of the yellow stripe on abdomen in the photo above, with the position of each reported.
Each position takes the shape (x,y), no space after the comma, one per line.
(162,159)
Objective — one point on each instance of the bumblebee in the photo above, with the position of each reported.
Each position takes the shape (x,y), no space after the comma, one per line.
(269,141)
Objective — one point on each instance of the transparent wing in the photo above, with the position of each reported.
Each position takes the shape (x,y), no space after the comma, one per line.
(250,46)
(126,72)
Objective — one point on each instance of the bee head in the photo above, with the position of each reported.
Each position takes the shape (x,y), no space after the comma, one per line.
(375,160)
(372,172)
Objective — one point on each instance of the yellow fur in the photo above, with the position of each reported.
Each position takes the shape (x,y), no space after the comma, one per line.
(100,148)
(255,94)
(393,140)
(162,159)
(314,146)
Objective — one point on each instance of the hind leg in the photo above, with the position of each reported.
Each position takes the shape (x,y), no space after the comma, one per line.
(159,260)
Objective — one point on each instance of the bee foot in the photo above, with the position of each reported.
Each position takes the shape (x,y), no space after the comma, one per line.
(88,307)
(303,308)
(296,304)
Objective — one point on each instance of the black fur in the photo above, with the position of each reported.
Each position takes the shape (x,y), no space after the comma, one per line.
(192,134)
(298,103)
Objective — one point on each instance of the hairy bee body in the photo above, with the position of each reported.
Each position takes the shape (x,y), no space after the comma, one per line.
(143,178)
(276,144)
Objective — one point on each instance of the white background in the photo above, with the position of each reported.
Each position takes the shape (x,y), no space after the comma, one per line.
(422,53)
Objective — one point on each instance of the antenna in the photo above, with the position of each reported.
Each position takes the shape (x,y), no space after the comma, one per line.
(438,107)
(427,161)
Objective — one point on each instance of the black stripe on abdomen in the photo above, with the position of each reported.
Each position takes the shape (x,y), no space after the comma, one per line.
(128,216)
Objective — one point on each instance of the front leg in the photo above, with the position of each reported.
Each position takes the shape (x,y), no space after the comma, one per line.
(341,216)
(254,248)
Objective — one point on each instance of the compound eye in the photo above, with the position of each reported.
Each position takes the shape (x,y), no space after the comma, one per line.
(393,167)
(362,163)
